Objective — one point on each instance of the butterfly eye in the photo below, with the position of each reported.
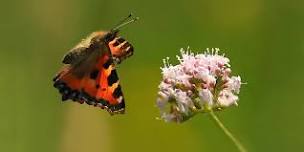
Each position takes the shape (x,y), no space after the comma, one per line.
(109,36)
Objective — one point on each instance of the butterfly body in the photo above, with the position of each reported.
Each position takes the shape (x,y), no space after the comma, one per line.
(89,74)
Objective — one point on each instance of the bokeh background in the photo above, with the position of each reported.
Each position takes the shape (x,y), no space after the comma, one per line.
(263,39)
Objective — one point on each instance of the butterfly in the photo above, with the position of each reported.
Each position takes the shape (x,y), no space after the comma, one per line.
(89,74)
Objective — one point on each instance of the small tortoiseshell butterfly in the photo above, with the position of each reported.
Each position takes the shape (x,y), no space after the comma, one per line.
(89,73)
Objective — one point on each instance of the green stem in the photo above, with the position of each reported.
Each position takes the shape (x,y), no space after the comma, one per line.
(227,132)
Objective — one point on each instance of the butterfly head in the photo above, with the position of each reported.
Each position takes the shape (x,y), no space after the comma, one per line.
(110,36)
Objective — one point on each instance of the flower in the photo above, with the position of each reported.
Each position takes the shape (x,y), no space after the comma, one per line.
(199,83)
(206,97)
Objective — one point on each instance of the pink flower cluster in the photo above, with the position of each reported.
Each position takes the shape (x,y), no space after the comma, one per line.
(200,83)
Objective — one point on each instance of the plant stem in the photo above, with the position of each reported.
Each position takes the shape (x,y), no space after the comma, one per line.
(227,132)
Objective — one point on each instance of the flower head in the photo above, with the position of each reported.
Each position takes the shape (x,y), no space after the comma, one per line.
(200,82)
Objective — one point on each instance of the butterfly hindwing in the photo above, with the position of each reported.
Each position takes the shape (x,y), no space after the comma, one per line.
(108,85)
(100,87)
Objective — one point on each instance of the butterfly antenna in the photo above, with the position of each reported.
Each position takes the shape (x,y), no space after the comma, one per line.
(129,19)
(124,19)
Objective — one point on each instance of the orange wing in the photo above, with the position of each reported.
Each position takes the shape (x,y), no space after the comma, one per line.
(99,87)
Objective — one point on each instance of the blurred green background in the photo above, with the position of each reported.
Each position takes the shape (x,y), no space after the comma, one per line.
(263,39)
